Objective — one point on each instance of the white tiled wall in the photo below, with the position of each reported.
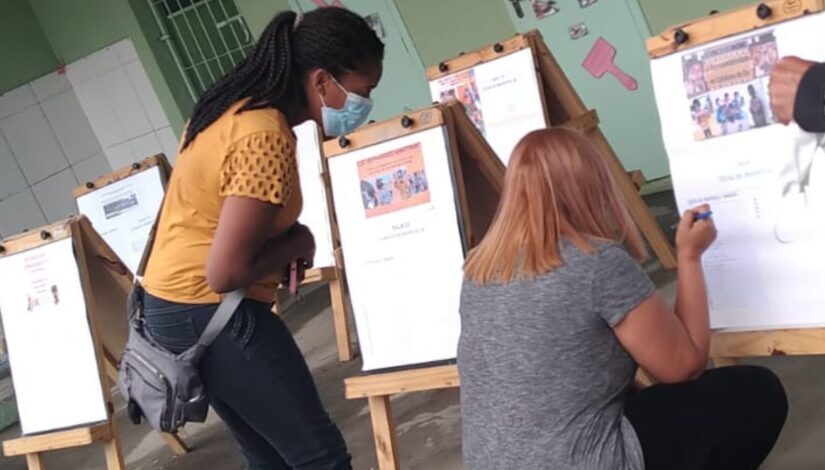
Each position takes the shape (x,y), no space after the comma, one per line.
(65,129)
(44,135)
(123,109)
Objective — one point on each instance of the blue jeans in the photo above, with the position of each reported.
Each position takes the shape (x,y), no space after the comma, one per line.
(258,383)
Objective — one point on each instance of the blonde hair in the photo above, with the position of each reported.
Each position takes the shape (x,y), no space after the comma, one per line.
(557,186)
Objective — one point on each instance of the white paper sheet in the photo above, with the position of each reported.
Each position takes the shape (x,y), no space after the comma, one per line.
(764,181)
(51,352)
(123,213)
(501,97)
(315,213)
(402,247)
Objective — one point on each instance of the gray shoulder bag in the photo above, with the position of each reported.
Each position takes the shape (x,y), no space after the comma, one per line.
(162,387)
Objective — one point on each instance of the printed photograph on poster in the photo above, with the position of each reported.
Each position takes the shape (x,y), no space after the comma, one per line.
(393,181)
(117,204)
(463,87)
(727,85)
(544,8)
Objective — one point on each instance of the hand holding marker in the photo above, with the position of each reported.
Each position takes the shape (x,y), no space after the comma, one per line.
(703,215)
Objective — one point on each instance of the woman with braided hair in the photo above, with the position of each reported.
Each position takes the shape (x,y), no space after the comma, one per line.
(229,221)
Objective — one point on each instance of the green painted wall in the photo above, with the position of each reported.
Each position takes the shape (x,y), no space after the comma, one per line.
(258,13)
(663,13)
(76,28)
(25,53)
(441,29)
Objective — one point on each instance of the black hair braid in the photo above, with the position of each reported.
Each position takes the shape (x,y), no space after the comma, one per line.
(272,76)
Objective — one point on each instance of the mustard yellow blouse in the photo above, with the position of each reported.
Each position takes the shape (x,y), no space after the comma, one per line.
(251,154)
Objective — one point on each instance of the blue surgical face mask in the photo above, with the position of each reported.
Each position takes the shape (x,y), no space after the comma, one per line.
(342,121)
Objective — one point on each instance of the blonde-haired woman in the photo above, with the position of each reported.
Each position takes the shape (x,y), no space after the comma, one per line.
(557,315)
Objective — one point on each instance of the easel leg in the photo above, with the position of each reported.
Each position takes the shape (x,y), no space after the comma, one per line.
(35,461)
(339,317)
(114,453)
(383,428)
(175,442)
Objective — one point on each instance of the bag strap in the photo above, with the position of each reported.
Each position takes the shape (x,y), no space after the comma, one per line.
(221,317)
(150,242)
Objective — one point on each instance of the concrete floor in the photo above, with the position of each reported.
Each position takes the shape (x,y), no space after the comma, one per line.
(429,427)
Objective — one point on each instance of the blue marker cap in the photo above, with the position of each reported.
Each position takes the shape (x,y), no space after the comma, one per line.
(703,215)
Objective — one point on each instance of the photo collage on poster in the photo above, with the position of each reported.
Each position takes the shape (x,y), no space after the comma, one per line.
(464,88)
(727,86)
(393,181)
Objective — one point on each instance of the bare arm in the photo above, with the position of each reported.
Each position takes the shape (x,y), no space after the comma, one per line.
(673,347)
(245,249)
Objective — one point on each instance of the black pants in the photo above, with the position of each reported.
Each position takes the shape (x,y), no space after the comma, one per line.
(727,419)
(259,384)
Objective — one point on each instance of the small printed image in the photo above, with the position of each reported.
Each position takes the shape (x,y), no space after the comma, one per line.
(462,86)
(544,8)
(120,205)
(727,86)
(393,181)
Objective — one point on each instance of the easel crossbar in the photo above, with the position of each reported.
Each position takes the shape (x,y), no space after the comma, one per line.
(413,380)
(57,440)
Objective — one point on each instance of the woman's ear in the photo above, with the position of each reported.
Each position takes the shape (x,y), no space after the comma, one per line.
(318,82)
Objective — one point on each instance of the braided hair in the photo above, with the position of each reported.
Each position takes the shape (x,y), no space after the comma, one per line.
(272,76)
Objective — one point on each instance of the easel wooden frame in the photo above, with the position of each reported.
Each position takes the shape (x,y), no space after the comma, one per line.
(111,354)
(479,182)
(89,247)
(729,346)
(564,107)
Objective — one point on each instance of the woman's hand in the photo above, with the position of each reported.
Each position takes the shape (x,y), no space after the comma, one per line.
(784,84)
(693,237)
(301,243)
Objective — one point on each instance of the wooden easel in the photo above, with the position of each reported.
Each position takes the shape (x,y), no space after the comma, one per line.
(564,107)
(114,337)
(95,261)
(479,181)
(727,347)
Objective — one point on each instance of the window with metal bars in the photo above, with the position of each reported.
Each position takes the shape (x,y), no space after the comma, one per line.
(206,38)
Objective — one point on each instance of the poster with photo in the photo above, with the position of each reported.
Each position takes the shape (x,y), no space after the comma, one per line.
(123,213)
(50,345)
(502,97)
(401,236)
(462,86)
(728,85)
(393,181)
(765,182)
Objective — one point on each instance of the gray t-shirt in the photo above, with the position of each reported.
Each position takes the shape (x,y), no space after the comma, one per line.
(543,377)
